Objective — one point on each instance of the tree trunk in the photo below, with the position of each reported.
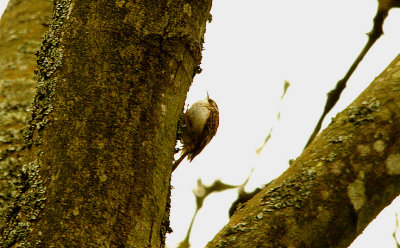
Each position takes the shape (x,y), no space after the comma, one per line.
(21,30)
(113,77)
(337,186)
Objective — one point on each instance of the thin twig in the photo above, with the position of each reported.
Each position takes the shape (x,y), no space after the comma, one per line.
(395,231)
(333,96)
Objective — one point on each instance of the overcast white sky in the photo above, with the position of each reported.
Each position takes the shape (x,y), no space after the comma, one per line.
(251,47)
(3,5)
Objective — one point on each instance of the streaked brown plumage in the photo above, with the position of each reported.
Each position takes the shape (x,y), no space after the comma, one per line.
(201,124)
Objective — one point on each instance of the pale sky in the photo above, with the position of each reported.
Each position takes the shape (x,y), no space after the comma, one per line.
(251,47)
(3,5)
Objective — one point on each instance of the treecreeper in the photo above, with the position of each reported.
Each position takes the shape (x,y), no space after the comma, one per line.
(201,123)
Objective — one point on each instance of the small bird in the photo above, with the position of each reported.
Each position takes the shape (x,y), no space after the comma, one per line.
(201,122)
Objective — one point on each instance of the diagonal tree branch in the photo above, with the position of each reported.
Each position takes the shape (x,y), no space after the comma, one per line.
(337,186)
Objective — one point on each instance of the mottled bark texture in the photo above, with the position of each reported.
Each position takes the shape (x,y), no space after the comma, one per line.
(337,186)
(113,77)
(21,28)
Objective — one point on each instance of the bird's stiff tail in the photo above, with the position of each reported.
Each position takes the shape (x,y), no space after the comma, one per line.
(177,162)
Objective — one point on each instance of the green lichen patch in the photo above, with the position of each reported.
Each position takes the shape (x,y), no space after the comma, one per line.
(50,58)
(26,209)
(290,193)
(359,114)
(338,139)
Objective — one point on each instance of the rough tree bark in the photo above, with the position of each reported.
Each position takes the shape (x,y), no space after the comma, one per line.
(21,30)
(113,77)
(337,186)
